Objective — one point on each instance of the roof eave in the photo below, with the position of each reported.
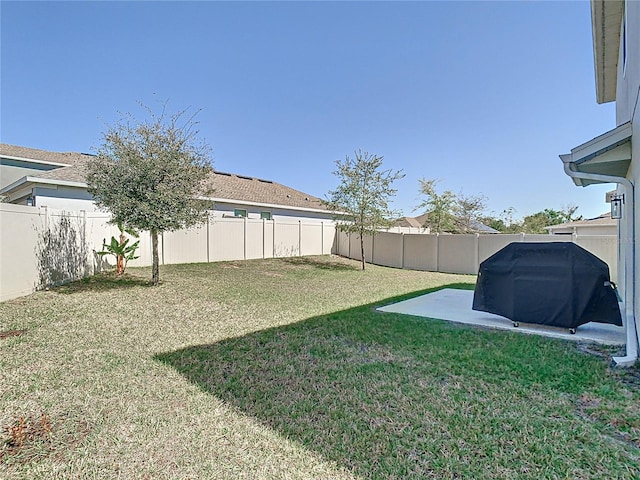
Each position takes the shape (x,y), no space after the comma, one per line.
(265,205)
(606,154)
(41,181)
(606,23)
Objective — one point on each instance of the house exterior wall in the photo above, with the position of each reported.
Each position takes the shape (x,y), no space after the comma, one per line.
(628,109)
(278,213)
(63,198)
(13,170)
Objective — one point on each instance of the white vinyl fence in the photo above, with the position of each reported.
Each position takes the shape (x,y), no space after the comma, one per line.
(40,246)
(458,253)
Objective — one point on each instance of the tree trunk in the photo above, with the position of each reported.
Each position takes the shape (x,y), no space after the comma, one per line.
(155,268)
(362,249)
(120,262)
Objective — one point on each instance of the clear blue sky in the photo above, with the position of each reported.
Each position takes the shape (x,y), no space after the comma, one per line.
(481,95)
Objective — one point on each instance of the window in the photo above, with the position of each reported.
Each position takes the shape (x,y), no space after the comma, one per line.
(239,212)
(265,215)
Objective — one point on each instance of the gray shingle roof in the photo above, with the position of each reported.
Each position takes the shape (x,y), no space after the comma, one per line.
(68,158)
(224,185)
(249,189)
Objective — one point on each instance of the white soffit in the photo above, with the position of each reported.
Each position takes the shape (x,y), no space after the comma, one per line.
(606,23)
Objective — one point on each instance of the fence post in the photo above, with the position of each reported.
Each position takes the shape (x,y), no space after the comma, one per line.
(437,252)
(321,238)
(299,238)
(208,223)
(264,237)
(244,250)
(373,245)
(46,217)
(273,234)
(477,253)
(403,250)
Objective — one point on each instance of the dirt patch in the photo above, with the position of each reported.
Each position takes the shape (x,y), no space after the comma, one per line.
(11,333)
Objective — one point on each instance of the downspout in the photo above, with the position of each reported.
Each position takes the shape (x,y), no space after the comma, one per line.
(629,261)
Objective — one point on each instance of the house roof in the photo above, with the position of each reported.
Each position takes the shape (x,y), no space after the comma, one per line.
(231,186)
(24,153)
(607,154)
(408,222)
(226,187)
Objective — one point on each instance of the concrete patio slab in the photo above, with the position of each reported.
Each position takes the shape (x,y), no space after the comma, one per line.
(455,306)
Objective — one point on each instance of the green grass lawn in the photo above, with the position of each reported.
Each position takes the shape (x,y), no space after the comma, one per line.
(282,369)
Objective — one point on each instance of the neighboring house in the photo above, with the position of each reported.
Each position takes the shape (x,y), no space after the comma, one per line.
(36,177)
(600,225)
(613,157)
(408,225)
(419,221)
(27,174)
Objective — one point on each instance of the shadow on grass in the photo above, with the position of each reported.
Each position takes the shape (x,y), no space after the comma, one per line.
(320,263)
(102,282)
(394,396)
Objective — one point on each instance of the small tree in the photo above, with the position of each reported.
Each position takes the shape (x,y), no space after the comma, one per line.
(361,201)
(149,175)
(120,249)
(536,223)
(468,211)
(439,207)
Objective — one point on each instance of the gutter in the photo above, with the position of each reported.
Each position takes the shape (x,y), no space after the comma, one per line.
(630,253)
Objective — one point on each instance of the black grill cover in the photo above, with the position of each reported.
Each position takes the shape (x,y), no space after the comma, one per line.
(550,283)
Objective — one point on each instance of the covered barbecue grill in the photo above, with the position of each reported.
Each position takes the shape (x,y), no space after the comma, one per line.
(551,283)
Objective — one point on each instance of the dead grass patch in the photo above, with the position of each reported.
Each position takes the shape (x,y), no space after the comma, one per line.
(11,333)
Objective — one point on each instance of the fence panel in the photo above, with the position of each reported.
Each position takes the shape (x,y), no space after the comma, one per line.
(547,238)
(388,249)
(329,239)
(343,241)
(458,254)
(604,247)
(287,240)
(311,239)
(255,230)
(269,230)
(226,239)
(185,246)
(490,244)
(19,240)
(421,252)
(356,249)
